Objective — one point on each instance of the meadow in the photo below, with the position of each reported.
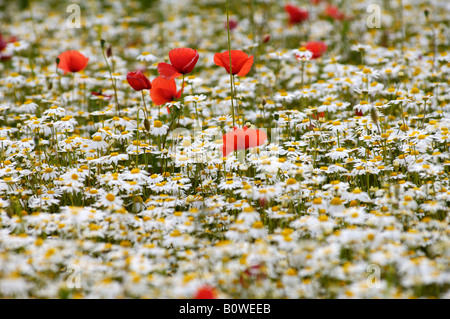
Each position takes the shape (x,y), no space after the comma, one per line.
(224,149)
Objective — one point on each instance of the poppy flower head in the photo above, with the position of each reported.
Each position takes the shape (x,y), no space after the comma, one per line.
(3,43)
(138,81)
(240,139)
(334,13)
(317,48)
(183,61)
(163,91)
(206,292)
(241,63)
(296,15)
(318,115)
(233,24)
(72,61)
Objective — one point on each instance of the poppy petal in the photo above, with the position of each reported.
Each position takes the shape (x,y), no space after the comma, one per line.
(183,59)
(246,66)
(168,71)
(163,90)
(72,61)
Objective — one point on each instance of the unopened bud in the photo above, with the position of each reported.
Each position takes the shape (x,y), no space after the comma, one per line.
(102,43)
(266,38)
(374,116)
(264,102)
(147,124)
(109,51)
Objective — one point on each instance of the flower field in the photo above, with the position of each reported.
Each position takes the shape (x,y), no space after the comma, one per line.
(225,149)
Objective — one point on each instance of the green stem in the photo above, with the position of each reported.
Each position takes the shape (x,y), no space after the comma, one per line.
(231,68)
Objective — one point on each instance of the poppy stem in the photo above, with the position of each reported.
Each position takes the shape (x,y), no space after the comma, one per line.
(112,79)
(143,100)
(231,67)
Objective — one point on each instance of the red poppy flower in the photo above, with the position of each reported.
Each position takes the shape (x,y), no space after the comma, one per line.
(206,292)
(318,115)
(252,274)
(334,13)
(183,62)
(296,15)
(241,63)
(233,24)
(99,93)
(3,43)
(72,61)
(317,48)
(138,81)
(240,139)
(358,113)
(163,91)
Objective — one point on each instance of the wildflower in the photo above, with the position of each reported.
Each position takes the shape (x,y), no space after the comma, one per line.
(72,61)
(296,15)
(206,292)
(317,48)
(147,57)
(183,62)
(241,63)
(138,81)
(159,129)
(110,200)
(334,13)
(164,91)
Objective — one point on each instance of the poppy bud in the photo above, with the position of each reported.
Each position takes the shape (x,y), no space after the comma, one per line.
(147,124)
(57,61)
(266,38)
(138,81)
(276,117)
(102,43)
(109,51)
(374,116)
(264,102)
